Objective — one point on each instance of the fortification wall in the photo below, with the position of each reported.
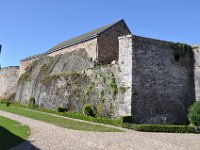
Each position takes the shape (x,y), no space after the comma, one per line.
(196,50)
(162,88)
(125,73)
(25,64)
(70,81)
(8,81)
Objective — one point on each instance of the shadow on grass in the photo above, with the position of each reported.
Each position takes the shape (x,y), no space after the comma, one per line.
(10,141)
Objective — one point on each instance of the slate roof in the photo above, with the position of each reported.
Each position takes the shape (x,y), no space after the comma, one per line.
(76,40)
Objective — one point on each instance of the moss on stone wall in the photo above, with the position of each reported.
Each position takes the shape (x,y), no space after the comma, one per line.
(180,50)
(70,89)
(112,85)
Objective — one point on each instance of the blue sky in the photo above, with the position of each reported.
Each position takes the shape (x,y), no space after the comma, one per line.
(29,27)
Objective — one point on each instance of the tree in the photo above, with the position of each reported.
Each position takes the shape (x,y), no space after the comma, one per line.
(194,113)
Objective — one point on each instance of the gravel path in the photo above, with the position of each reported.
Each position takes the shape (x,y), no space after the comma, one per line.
(50,137)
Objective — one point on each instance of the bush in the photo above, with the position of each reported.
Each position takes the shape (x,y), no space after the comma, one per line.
(88,110)
(31,102)
(8,104)
(194,113)
(61,109)
(3,101)
(160,128)
(127,119)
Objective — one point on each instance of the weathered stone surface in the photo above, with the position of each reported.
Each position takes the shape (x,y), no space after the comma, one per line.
(147,83)
(196,50)
(61,82)
(8,81)
(162,88)
(125,72)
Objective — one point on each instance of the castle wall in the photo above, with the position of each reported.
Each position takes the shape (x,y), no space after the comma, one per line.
(108,43)
(87,46)
(71,81)
(196,50)
(25,64)
(8,81)
(162,88)
(125,73)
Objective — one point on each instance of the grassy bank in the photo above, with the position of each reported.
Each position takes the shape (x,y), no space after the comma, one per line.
(12,133)
(66,123)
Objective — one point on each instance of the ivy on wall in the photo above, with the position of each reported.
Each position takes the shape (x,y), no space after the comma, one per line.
(180,50)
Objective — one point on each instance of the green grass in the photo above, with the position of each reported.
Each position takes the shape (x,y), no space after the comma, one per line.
(66,123)
(12,133)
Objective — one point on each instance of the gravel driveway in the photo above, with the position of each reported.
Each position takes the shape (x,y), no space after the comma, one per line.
(50,137)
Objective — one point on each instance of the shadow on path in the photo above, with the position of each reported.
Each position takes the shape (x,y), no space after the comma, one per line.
(10,141)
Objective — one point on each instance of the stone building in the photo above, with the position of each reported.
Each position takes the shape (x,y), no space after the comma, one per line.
(158,81)
(101,45)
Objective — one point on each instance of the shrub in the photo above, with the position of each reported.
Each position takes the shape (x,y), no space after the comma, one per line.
(194,113)
(88,110)
(3,101)
(31,102)
(160,128)
(8,104)
(61,109)
(112,85)
(100,109)
(127,119)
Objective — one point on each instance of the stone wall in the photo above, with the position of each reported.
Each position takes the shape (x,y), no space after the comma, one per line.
(25,64)
(70,81)
(88,49)
(108,43)
(196,50)
(162,88)
(8,81)
(125,72)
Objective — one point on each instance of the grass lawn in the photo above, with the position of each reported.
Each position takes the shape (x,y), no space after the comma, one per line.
(66,123)
(12,133)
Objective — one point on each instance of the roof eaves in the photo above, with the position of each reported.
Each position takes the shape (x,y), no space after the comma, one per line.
(73,43)
(32,57)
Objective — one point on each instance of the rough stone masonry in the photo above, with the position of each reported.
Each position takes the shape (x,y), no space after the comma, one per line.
(8,81)
(162,88)
(146,79)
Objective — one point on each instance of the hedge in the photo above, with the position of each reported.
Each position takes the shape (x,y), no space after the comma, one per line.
(160,128)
